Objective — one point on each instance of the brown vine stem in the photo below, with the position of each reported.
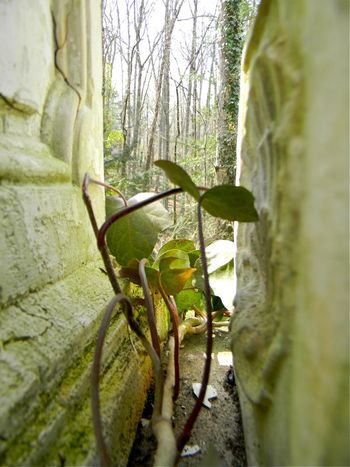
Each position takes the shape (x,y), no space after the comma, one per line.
(96,368)
(88,204)
(186,433)
(166,452)
(103,249)
(149,307)
(110,187)
(101,242)
(175,322)
(127,310)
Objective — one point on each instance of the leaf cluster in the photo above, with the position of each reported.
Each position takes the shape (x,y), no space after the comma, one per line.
(134,237)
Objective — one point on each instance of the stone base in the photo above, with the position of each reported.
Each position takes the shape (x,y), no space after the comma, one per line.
(48,343)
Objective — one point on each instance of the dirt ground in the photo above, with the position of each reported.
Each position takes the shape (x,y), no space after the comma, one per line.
(218,430)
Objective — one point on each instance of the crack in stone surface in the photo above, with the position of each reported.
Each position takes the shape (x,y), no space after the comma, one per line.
(24,109)
(25,337)
(57,49)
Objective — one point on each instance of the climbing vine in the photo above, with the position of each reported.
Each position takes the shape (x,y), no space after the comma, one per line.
(231,51)
(130,233)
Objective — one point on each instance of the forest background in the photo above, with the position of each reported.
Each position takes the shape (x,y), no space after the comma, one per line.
(171,91)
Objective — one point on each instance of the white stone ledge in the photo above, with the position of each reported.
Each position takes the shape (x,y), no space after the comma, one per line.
(27,161)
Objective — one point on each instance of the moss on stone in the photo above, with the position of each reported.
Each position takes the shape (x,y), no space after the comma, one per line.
(57,409)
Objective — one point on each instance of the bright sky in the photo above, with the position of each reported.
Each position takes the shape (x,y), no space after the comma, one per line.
(181,39)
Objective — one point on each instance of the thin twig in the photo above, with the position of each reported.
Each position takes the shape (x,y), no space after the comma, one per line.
(162,426)
(110,187)
(96,367)
(185,435)
(149,307)
(175,322)
(103,249)
(88,204)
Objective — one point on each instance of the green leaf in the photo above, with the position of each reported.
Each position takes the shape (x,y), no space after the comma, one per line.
(174,280)
(173,263)
(131,237)
(218,306)
(152,277)
(218,254)
(113,204)
(185,299)
(194,255)
(134,236)
(177,259)
(221,283)
(179,176)
(233,203)
(198,280)
(178,244)
(155,212)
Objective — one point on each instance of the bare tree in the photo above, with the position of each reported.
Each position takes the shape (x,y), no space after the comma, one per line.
(172,10)
(154,119)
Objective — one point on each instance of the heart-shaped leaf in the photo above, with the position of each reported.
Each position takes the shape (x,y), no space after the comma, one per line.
(174,280)
(219,256)
(219,253)
(221,283)
(132,236)
(155,212)
(173,263)
(179,177)
(182,258)
(185,299)
(178,244)
(233,203)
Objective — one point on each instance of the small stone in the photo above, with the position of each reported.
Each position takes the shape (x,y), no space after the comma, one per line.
(190,450)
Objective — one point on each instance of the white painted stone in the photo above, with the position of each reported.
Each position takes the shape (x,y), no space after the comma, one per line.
(26,53)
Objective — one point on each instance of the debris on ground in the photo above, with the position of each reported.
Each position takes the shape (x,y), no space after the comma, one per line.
(217,432)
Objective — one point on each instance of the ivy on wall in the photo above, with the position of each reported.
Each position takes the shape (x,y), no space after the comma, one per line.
(236,16)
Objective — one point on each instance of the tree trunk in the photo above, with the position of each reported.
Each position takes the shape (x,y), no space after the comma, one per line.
(171,15)
(191,79)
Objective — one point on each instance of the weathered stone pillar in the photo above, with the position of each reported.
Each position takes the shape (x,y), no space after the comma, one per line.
(290,330)
(52,291)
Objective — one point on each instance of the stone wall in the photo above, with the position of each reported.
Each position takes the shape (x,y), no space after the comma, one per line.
(290,329)
(52,291)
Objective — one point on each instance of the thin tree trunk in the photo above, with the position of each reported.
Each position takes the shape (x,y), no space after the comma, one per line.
(177,136)
(170,19)
(192,77)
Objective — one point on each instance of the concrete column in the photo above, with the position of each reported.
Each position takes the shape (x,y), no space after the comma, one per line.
(52,289)
(290,329)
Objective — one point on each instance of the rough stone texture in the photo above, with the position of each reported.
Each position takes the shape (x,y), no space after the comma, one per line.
(290,329)
(52,290)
